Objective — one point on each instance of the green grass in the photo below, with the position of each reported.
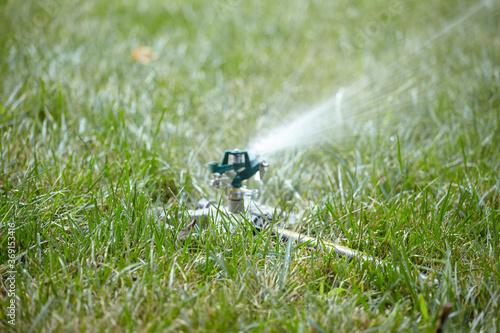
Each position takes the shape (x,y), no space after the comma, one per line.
(93,144)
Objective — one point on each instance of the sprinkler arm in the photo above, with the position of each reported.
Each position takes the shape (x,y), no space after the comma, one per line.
(238,170)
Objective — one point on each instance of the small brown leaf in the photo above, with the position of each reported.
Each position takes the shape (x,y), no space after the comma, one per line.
(184,233)
(443,315)
(144,54)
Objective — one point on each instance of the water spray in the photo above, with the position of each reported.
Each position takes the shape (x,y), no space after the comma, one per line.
(393,84)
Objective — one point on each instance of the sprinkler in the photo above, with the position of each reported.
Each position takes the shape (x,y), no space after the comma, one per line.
(236,167)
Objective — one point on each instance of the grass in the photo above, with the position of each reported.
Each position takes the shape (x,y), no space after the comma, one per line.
(93,144)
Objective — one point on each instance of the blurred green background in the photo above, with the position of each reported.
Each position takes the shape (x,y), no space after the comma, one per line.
(94,141)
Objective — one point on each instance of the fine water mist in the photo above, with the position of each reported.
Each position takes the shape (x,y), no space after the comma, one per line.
(398,85)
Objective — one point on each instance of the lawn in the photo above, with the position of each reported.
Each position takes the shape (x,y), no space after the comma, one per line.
(98,143)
